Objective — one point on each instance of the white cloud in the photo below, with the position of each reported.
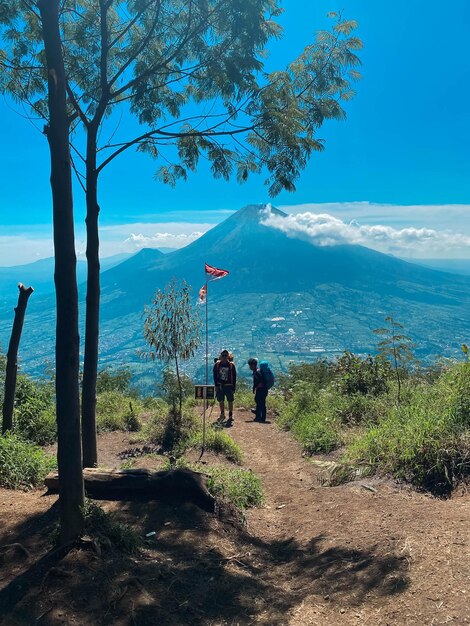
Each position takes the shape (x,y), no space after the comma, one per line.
(324,229)
(441,217)
(167,240)
(22,249)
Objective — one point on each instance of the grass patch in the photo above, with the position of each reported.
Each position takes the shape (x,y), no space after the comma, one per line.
(115,411)
(425,441)
(23,465)
(241,487)
(238,486)
(219,442)
(165,429)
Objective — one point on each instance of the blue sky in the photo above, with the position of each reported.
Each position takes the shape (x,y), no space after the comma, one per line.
(400,161)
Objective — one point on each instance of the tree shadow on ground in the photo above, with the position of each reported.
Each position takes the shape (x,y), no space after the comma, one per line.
(196,570)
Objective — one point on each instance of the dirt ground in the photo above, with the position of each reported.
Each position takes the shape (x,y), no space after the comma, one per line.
(368,552)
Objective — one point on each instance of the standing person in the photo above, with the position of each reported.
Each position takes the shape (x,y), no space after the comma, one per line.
(260,390)
(225,381)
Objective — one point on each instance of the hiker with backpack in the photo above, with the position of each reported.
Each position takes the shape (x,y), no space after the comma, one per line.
(225,381)
(263,380)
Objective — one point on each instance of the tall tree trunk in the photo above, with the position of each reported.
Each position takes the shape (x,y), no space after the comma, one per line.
(90,364)
(12,357)
(69,452)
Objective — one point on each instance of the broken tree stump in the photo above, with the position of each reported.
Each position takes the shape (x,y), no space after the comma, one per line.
(12,357)
(172,484)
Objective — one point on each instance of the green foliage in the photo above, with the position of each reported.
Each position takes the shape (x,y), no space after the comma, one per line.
(171,329)
(319,374)
(424,439)
(395,347)
(169,389)
(311,418)
(23,465)
(170,431)
(108,530)
(356,409)
(241,487)
(219,442)
(356,375)
(34,414)
(115,411)
(115,380)
(161,57)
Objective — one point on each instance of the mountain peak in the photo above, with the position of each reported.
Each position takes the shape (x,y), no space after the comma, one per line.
(256,211)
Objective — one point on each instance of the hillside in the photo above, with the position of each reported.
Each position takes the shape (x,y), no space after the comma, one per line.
(284,298)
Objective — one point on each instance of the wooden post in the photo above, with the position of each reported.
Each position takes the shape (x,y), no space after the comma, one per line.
(12,357)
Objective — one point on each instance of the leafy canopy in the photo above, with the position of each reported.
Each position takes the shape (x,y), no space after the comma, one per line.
(192,73)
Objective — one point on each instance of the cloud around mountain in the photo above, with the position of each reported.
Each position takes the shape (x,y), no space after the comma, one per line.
(324,229)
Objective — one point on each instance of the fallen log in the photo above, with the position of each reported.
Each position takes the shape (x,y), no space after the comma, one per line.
(179,484)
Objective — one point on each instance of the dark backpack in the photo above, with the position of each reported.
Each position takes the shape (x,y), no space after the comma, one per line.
(267,374)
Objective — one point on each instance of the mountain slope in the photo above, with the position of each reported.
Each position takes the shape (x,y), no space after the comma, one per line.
(284,298)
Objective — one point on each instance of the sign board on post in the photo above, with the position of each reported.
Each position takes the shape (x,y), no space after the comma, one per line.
(204,391)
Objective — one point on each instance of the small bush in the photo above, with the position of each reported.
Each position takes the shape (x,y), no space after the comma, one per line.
(107,529)
(358,408)
(37,426)
(117,412)
(219,442)
(167,429)
(241,487)
(34,415)
(316,433)
(23,465)
(356,375)
(423,442)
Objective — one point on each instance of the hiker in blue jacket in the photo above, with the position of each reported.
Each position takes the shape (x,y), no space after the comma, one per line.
(260,390)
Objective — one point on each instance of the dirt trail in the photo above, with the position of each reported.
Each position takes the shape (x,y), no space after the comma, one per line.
(367,552)
(353,554)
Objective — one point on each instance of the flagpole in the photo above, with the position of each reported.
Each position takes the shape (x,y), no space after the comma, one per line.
(207,335)
(205,401)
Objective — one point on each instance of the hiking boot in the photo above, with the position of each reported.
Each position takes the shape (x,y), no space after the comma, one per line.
(253,411)
(229,422)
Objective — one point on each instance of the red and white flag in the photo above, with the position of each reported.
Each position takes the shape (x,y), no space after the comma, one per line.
(202,294)
(215,272)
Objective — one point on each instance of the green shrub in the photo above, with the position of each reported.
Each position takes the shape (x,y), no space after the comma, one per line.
(358,408)
(318,374)
(357,375)
(37,426)
(34,414)
(219,442)
(108,529)
(241,487)
(457,384)
(317,433)
(423,441)
(165,428)
(23,465)
(116,380)
(310,415)
(117,412)
(304,399)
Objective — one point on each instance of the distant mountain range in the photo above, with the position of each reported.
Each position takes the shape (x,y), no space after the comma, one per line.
(284,299)
(40,274)
(454,266)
